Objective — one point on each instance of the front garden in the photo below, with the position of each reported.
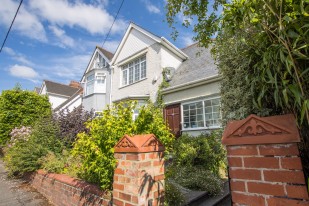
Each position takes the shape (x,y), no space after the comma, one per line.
(81,146)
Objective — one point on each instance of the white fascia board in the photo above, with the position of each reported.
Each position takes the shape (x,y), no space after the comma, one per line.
(191,84)
(173,48)
(125,37)
(69,103)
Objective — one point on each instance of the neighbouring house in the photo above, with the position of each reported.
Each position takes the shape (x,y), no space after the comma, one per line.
(96,81)
(192,100)
(59,93)
(138,63)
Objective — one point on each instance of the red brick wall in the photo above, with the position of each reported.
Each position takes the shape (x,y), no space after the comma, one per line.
(139,176)
(62,190)
(264,164)
(266,175)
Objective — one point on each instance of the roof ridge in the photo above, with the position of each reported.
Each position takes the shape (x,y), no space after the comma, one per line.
(59,83)
(193,44)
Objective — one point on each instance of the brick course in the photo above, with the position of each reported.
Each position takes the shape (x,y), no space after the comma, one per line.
(62,190)
(263,172)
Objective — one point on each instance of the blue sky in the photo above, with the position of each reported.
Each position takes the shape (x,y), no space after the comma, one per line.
(54,39)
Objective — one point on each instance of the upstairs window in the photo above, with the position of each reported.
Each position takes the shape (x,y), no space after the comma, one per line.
(134,71)
(90,84)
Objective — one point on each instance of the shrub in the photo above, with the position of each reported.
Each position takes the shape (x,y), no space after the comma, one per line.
(24,155)
(197,161)
(96,149)
(71,123)
(204,151)
(173,194)
(20,108)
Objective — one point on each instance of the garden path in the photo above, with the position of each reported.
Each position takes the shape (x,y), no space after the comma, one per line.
(16,192)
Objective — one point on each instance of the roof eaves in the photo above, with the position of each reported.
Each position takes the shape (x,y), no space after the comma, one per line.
(172,47)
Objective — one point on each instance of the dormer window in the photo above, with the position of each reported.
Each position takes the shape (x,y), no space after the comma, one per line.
(134,71)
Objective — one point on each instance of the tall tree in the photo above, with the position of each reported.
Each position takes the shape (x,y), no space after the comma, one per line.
(262,52)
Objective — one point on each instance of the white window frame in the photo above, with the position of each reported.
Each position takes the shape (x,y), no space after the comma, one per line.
(87,84)
(134,71)
(204,117)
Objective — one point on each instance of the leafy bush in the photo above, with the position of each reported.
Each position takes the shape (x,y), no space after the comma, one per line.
(204,151)
(54,163)
(20,108)
(96,149)
(25,154)
(197,161)
(173,195)
(71,123)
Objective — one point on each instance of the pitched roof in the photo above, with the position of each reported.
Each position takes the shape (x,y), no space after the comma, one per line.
(106,53)
(58,88)
(198,66)
(152,36)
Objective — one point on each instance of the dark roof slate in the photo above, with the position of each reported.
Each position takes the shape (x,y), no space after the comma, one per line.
(61,89)
(199,65)
(108,54)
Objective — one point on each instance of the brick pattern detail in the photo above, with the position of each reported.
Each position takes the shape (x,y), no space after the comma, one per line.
(139,179)
(62,190)
(266,175)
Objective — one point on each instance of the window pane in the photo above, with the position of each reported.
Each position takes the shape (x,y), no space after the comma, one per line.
(143,70)
(136,72)
(130,75)
(207,103)
(215,101)
(212,112)
(124,77)
(208,110)
(185,107)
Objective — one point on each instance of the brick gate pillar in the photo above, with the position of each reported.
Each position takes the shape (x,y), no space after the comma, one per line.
(264,163)
(139,176)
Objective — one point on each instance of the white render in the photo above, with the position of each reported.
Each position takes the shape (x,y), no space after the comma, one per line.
(189,94)
(159,54)
(56,100)
(72,104)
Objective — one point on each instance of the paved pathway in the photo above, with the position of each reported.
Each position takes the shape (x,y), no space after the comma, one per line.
(15,192)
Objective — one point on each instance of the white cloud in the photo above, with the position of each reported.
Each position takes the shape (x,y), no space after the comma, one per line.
(186,39)
(17,56)
(23,72)
(68,67)
(92,18)
(150,7)
(26,22)
(64,39)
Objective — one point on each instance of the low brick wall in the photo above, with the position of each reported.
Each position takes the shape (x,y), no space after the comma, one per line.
(63,190)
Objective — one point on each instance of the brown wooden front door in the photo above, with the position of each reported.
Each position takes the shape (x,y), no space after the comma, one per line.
(172,117)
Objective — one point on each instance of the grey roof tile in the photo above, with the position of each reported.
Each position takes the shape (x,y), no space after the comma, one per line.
(199,65)
(61,89)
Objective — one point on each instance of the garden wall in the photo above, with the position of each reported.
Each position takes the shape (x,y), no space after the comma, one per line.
(138,178)
(264,163)
(62,190)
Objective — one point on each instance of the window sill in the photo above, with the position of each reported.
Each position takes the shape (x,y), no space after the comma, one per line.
(201,128)
(132,83)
